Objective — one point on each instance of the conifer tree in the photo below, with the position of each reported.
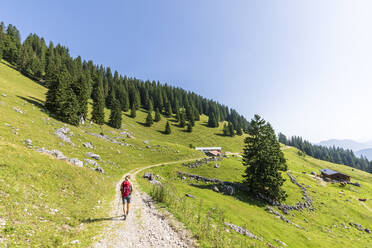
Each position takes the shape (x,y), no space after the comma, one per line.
(178,115)
(150,106)
(115,116)
(264,161)
(212,120)
(189,127)
(168,109)
(69,108)
(226,131)
(56,94)
(157,115)
(81,90)
(133,110)
(167,128)
(149,120)
(231,129)
(98,114)
(182,119)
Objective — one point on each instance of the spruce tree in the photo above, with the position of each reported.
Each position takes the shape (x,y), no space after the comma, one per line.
(231,129)
(167,128)
(149,120)
(212,120)
(133,110)
(168,109)
(182,119)
(98,114)
(226,131)
(115,116)
(157,115)
(70,106)
(264,161)
(81,90)
(189,127)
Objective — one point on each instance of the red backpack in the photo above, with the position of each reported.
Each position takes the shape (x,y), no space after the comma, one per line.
(126,188)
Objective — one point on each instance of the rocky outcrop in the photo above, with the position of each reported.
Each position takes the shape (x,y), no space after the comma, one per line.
(107,138)
(152,178)
(243,231)
(202,161)
(62,133)
(55,153)
(88,145)
(225,187)
(93,155)
(74,161)
(280,216)
(307,203)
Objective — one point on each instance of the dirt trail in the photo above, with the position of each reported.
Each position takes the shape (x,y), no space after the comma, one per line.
(145,226)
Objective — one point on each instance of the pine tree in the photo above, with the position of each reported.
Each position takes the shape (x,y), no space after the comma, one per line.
(157,115)
(98,114)
(167,128)
(226,131)
(212,120)
(149,120)
(231,129)
(168,109)
(189,127)
(69,111)
(182,119)
(178,115)
(115,116)
(81,90)
(133,110)
(263,160)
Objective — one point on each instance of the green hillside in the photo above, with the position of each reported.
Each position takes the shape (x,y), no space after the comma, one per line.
(45,201)
(328,225)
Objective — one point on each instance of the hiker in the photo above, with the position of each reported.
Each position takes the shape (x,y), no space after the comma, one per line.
(126,191)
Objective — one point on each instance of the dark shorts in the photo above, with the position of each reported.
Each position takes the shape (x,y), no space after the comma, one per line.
(126,199)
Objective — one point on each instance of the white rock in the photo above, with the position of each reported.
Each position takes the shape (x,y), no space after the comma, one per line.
(76,162)
(17,110)
(93,155)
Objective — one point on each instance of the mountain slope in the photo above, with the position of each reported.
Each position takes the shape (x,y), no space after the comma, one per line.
(45,201)
(328,225)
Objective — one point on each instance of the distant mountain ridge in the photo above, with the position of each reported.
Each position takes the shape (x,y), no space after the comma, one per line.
(345,143)
(359,148)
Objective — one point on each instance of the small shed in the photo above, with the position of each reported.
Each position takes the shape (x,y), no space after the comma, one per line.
(334,175)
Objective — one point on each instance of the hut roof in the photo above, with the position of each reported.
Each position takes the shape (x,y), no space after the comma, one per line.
(329,171)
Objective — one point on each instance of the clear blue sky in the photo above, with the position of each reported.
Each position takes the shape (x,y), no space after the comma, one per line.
(305,66)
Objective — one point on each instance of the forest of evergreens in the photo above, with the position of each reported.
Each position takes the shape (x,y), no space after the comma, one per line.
(332,154)
(73,81)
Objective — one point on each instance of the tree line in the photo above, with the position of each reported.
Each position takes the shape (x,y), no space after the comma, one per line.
(332,154)
(71,82)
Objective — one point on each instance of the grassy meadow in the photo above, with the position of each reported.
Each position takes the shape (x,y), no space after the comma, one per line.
(327,226)
(46,202)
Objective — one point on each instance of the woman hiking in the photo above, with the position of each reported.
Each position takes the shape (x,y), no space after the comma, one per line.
(126,191)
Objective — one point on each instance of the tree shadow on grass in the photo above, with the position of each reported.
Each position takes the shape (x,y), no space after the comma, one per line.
(34,101)
(161,131)
(142,123)
(114,218)
(239,194)
(221,134)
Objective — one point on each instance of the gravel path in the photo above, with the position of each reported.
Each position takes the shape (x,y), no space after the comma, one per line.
(145,226)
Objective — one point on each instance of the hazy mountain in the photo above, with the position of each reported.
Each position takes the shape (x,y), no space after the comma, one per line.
(365,152)
(346,144)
